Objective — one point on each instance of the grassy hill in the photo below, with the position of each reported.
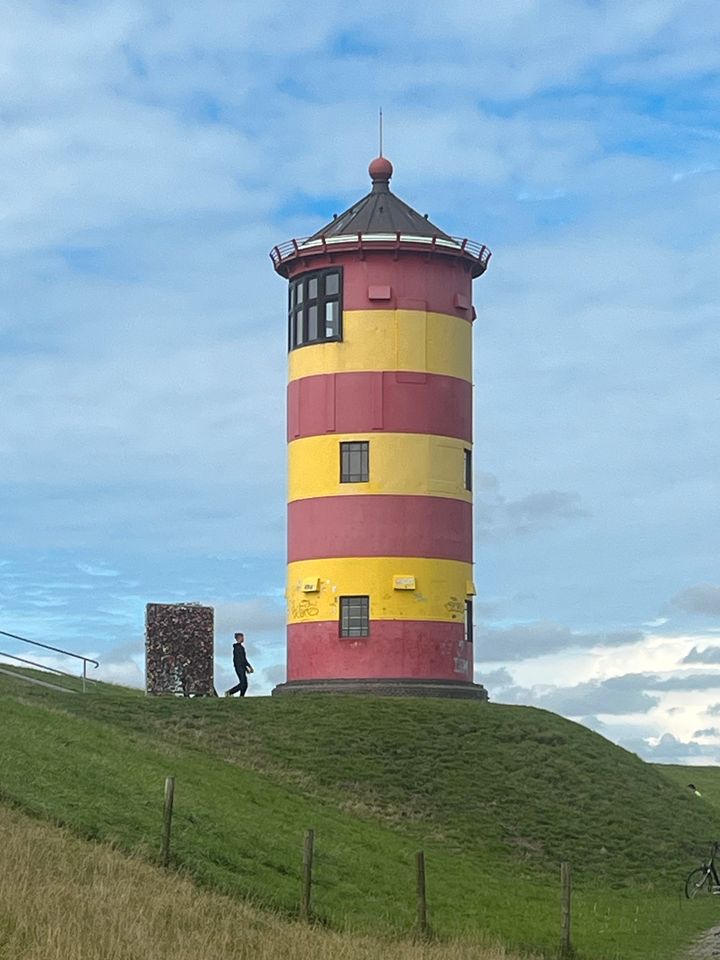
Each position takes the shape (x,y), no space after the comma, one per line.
(706,779)
(67,899)
(495,795)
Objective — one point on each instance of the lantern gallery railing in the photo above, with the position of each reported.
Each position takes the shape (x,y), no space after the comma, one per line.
(457,245)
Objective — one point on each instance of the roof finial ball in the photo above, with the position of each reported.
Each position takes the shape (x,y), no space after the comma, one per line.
(380,171)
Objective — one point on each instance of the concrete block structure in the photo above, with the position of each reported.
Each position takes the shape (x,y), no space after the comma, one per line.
(179,646)
(379,419)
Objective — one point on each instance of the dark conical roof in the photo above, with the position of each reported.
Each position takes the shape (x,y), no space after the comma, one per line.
(379,221)
(380,211)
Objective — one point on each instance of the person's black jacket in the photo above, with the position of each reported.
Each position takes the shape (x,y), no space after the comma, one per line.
(240,660)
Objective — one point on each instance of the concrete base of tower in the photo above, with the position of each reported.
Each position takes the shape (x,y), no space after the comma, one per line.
(386,687)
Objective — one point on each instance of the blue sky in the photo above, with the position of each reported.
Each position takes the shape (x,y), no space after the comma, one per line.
(152,153)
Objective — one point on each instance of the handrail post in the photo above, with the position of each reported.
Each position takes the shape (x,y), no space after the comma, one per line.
(84,673)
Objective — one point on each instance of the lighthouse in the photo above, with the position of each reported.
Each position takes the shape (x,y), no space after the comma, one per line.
(380,472)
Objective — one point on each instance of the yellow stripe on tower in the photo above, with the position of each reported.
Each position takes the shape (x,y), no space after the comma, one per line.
(399,463)
(391,340)
(440,588)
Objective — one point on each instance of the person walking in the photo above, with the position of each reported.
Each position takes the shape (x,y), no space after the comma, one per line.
(242,667)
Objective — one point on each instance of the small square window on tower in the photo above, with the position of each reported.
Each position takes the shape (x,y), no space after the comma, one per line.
(354,462)
(354,616)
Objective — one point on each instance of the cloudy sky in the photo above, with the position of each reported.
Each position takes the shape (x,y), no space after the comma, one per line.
(153,152)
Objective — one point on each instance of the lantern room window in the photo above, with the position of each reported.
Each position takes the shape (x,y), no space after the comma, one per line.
(315,308)
(354,616)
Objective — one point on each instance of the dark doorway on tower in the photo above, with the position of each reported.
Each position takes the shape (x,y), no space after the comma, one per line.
(468,621)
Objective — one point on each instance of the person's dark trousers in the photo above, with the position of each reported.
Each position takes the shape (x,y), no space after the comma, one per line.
(241,686)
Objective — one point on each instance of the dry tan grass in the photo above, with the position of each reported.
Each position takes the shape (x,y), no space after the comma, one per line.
(65,899)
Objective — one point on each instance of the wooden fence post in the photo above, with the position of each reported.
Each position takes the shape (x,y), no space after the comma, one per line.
(167,819)
(422,919)
(565,910)
(307,874)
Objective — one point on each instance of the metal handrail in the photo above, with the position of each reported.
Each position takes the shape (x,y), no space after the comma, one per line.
(39,683)
(47,646)
(42,666)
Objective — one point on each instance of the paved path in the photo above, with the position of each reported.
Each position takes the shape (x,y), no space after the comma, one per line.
(707,947)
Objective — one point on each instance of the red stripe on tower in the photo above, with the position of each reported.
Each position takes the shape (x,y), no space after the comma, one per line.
(396,649)
(392,400)
(415,281)
(380,526)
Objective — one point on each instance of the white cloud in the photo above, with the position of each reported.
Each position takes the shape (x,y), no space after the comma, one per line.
(97,570)
(524,641)
(127,673)
(259,616)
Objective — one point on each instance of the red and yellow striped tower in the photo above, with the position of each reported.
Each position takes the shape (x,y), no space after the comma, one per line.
(380,545)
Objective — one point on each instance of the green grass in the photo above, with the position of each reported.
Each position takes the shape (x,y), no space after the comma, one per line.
(62,898)
(495,795)
(706,779)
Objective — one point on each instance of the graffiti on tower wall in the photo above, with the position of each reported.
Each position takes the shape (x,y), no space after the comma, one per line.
(179,649)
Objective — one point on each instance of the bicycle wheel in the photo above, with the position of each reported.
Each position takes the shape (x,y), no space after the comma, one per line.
(699,882)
